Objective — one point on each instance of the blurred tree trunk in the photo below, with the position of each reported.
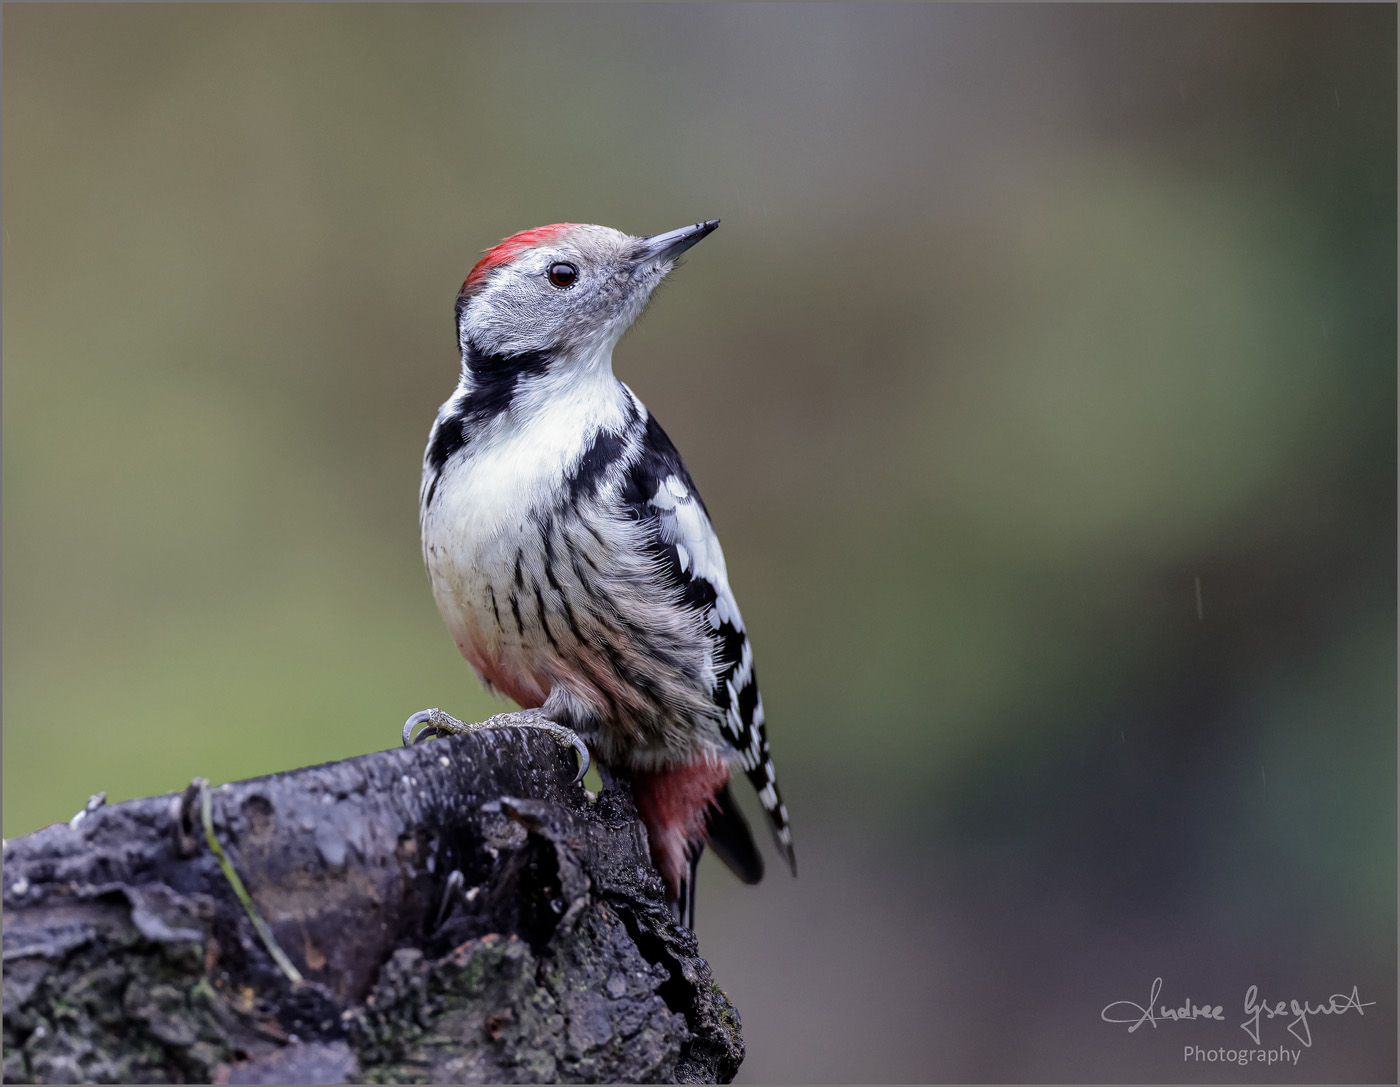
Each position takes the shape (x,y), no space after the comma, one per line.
(129,958)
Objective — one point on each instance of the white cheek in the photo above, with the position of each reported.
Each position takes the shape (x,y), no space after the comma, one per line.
(518,311)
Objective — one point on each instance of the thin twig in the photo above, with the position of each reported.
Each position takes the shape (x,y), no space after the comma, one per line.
(265,934)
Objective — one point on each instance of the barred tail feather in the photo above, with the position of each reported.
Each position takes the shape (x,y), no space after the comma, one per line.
(764,780)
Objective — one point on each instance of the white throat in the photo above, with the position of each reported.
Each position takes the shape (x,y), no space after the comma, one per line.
(519,460)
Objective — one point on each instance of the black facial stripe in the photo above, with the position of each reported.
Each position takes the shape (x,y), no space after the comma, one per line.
(494,379)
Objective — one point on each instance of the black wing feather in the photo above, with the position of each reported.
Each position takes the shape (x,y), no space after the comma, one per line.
(736,688)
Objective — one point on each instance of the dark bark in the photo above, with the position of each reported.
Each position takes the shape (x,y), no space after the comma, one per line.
(128,957)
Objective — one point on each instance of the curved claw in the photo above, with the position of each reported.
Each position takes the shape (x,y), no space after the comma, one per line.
(437,723)
(583,759)
(422,717)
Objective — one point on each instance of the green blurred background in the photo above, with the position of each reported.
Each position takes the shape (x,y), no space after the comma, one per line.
(1041,382)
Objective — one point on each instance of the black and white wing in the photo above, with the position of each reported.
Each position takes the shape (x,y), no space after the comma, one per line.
(659,490)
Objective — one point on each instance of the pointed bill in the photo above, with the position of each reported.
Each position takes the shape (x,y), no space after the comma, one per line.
(673,243)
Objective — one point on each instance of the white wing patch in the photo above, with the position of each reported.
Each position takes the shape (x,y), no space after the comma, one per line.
(684,524)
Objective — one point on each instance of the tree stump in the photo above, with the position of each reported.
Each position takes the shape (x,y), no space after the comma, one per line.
(553,957)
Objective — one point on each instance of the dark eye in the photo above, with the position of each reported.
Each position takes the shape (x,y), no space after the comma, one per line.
(562,275)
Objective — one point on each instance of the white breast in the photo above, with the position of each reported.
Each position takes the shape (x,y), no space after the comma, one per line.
(490,493)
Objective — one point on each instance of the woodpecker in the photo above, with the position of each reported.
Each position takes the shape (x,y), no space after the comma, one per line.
(572,557)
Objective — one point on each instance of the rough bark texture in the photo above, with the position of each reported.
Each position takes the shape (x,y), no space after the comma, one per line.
(128,958)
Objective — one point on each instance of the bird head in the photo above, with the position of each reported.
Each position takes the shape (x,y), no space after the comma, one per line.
(566,290)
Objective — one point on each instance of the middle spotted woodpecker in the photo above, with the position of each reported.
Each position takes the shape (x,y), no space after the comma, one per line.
(572,556)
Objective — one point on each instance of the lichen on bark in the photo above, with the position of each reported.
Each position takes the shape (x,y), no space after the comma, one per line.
(551,958)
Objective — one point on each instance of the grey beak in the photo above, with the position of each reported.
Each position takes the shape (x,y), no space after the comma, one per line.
(673,243)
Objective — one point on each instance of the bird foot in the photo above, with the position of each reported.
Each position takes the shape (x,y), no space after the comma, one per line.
(438,723)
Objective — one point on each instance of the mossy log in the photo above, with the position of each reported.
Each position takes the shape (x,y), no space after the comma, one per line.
(553,958)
